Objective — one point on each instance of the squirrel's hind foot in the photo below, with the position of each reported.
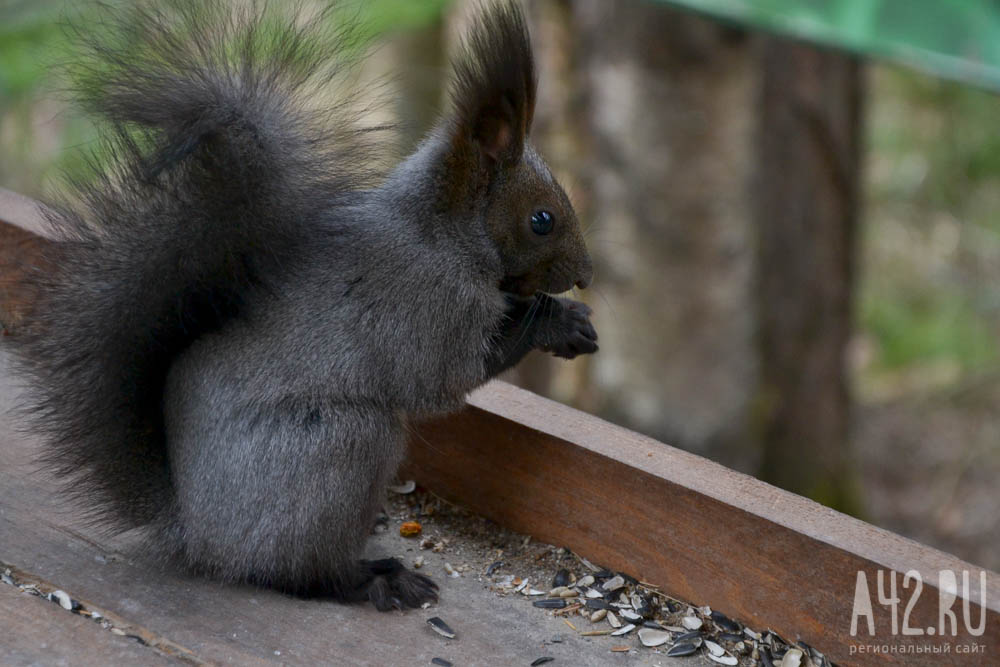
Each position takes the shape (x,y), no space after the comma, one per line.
(392,586)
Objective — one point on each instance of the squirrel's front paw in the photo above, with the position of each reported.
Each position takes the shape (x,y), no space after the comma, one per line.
(570,330)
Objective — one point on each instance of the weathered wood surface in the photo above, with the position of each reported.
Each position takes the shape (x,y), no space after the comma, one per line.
(36,631)
(704,533)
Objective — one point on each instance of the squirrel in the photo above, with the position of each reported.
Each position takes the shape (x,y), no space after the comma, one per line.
(241,317)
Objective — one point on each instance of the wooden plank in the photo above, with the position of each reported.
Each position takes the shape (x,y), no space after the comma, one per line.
(705,533)
(21,246)
(20,252)
(39,632)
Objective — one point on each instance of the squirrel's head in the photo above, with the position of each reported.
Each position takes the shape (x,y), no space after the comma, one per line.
(490,163)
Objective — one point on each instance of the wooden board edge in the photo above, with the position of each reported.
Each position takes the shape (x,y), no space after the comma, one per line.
(718,482)
(703,532)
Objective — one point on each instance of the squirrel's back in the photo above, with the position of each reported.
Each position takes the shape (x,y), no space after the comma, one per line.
(213,162)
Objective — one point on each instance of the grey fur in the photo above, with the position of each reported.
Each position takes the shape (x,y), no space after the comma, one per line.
(239,332)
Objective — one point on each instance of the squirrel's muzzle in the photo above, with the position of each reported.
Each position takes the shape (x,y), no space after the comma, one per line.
(586,273)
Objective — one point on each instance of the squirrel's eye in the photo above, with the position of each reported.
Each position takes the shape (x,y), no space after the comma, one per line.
(542,222)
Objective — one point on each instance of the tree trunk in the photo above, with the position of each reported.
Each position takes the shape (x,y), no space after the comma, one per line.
(805,211)
(660,178)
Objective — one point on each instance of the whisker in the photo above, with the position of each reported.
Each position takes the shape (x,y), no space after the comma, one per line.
(414,432)
(614,313)
(526,322)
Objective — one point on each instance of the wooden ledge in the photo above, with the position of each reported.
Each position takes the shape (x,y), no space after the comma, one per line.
(700,531)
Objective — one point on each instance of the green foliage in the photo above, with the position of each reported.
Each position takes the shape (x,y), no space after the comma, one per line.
(930,292)
(953,128)
(921,326)
(40,136)
(381,16)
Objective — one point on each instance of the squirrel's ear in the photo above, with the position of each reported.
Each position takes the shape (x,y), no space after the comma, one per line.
(494,88)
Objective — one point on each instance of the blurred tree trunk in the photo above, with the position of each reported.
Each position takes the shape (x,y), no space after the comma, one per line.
(420,61)
(805,207)
(647,117)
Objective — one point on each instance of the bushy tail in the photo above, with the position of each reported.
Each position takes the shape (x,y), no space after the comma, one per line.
(214,162)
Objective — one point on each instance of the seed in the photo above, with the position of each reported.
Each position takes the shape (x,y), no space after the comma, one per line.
(691,622)
(541,661)
(613,620)
(614,583)
(550,603)
(598,615)
(680,650)
(406,487)
(723,659)
(441,627)
(714,648)
(652,638)
(792,658)
(586,581)
(725,623)
(441,662)
(623,631)
(562,578)
(64,600)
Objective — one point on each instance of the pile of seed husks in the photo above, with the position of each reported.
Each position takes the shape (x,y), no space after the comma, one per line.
(636,616)
(630,615)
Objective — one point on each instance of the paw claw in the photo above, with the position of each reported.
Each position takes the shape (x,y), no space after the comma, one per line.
(395,587)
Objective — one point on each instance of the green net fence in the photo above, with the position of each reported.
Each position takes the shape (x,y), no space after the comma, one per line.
(954,39)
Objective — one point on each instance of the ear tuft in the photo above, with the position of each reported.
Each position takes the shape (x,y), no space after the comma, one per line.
(494,87)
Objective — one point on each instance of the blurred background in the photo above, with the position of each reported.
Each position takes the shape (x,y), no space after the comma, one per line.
(792,207)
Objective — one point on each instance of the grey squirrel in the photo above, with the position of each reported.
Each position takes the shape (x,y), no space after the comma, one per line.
(237,327)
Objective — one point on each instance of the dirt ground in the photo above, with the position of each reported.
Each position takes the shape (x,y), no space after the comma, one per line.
(930,468)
